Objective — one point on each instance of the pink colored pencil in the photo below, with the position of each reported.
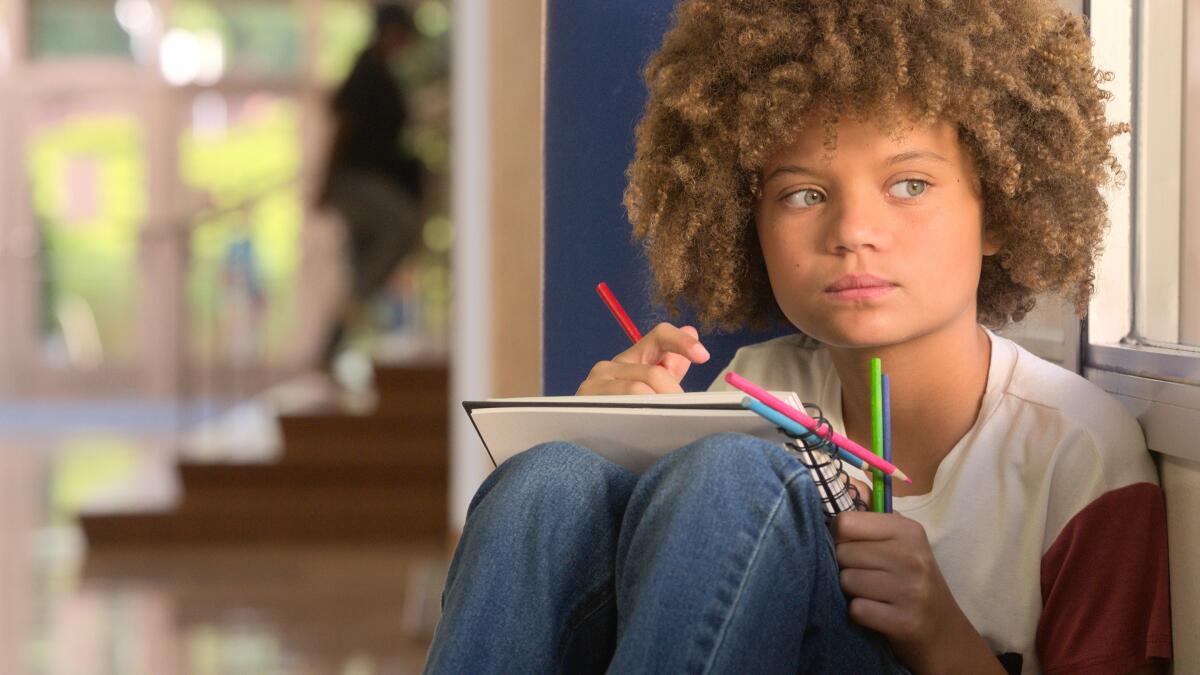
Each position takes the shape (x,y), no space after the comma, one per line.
(809,423)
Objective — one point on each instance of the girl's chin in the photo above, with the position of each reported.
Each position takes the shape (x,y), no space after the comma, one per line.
(857,336)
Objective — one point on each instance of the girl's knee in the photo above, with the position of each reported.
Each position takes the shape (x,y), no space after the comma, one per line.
(546,459)
(732,478)
(565,475)
(742,463)
(725,463)
(731,454)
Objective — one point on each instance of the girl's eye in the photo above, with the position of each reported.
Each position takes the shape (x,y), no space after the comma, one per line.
(804,198)
(907,189)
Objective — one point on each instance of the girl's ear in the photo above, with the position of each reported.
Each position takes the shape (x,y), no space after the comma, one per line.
(991,242)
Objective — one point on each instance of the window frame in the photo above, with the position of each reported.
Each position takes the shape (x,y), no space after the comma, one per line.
(1159,383)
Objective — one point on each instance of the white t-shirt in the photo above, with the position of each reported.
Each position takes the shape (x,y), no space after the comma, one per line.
(1046,518)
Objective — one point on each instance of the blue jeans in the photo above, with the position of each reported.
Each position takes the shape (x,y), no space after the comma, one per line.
(716,560)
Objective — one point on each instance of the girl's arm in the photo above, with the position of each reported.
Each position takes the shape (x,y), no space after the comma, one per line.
(897,589)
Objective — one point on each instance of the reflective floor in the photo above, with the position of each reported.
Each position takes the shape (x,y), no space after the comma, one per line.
(359,609)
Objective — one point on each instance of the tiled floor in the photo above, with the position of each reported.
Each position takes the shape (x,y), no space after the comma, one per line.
(63,609)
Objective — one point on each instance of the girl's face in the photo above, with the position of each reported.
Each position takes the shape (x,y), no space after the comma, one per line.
(879,245)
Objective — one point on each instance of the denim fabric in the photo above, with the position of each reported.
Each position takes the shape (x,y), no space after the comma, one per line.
(716,560)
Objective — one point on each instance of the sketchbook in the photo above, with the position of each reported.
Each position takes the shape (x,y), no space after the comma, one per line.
(635,431)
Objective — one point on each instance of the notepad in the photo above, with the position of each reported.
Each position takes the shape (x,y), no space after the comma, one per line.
(635,431)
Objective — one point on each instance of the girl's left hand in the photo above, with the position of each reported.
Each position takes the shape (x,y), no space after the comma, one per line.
(897,589)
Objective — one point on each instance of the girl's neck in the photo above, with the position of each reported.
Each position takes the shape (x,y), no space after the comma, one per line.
(936,383)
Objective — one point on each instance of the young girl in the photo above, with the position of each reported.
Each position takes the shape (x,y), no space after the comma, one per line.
(894,178)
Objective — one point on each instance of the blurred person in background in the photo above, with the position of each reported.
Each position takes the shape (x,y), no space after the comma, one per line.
(370,180)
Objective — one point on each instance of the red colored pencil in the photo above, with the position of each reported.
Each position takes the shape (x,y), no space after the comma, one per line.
(618,312)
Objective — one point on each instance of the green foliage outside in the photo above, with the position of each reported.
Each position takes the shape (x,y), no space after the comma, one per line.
(260,38)
(89,248)
(65,28)
(249,172)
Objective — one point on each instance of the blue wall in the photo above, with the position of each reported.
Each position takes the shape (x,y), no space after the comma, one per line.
(595,53)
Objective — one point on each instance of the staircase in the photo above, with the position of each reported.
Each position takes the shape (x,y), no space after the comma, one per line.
(342,478)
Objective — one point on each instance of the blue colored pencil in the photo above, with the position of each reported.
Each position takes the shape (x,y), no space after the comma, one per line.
(887,443)
(795,429)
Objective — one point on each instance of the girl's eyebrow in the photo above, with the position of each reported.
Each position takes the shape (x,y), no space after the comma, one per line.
(789,168)
(914,154)
(894,159)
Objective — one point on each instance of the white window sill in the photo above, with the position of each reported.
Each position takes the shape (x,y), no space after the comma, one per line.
(1168,411)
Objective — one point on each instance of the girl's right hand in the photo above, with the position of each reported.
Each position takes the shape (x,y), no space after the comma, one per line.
(655,365)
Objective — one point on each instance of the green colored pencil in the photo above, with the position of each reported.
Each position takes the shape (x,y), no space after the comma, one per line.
(877,487)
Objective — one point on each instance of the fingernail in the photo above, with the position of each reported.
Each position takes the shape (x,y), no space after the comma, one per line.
(699,351)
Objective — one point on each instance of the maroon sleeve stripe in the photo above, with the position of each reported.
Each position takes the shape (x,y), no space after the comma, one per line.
(1105,596)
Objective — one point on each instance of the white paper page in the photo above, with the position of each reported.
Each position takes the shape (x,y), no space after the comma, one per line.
(634,438)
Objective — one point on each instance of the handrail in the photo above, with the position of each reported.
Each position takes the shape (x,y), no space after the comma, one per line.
(172,226)
(197,218)
(243,204)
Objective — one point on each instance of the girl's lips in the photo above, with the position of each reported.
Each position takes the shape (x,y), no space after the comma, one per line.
(861,293)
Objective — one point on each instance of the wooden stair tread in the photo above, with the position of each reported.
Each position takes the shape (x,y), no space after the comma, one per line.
(427,377)
(182,528)
(362,425)
(250,498)
(414,437)
(373,454)
(315,475)
(372,477)
(402,391)
(420,501)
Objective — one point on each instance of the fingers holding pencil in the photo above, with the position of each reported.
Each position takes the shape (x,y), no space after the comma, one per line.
(671,347)
(656,364)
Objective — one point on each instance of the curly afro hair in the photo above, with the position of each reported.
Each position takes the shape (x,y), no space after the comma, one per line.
(734,78)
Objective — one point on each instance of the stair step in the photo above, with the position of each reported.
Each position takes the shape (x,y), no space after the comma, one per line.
(378,478)
(378,453)
(350,571)
(346,504)
(221,476)
(430,378)
(417,454)
(339,426)
(343,439)
(188,529)
(308,490)
(403,389)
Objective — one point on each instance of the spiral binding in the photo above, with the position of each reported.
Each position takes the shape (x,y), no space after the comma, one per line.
(816,451)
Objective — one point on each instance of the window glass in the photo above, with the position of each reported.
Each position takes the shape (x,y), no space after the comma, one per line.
(243,153)
(253,38)
(345,28)
(87,175)
(1147,281)
(1110,314)
(1158,166)
(1044,331)
(74,28)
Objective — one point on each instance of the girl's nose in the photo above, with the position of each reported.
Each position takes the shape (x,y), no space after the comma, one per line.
(855,224)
